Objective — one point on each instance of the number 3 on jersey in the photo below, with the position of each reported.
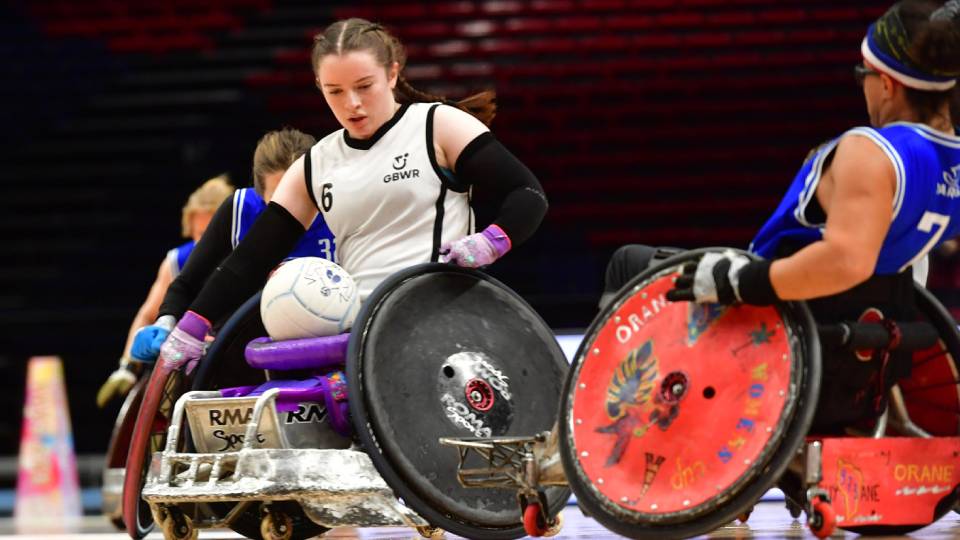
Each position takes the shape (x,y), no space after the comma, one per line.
(325,248)
(926,225)
(326,197)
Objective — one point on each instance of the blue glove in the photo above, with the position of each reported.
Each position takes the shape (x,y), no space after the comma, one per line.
(147,341)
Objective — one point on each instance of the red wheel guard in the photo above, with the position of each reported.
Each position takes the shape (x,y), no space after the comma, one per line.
(676,404)
(890,481)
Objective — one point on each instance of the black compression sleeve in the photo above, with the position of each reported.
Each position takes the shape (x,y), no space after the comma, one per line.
(210,251)
(271,238)
(487,164)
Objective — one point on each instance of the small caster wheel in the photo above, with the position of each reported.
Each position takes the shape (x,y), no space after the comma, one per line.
(823,519)
(553,528)
(173,524)
(744,516)
(534,524)
(430,532)
(795,509)
(160,514)
(276,525)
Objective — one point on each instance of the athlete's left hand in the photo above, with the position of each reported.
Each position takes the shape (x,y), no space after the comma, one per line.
(184,346)
(725,278)
(476,250)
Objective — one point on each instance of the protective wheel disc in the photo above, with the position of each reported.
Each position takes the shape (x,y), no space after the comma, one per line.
(440,351)
(677,416)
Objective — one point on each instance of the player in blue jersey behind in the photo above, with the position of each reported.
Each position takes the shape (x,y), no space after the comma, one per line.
(864,210)
(196,216)
(275,152)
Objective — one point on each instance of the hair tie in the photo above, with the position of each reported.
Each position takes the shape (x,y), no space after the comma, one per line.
(947,12)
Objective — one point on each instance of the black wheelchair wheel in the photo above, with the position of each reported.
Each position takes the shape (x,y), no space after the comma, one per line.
(225,366)
(425,341)
(655,384)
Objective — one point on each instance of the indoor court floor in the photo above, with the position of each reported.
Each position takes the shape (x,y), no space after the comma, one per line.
(769,520)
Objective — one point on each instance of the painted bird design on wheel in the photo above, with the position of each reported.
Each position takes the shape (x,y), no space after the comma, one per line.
(632,401)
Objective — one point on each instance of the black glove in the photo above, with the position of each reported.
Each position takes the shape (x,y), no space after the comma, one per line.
(725,278)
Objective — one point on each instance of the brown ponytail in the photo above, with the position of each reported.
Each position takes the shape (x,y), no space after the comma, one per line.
(357,34)
(933,28)
(482,105)
(935,42)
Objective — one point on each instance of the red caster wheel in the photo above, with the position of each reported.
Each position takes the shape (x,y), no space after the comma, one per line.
(823,520)
(534,525)
(532,521)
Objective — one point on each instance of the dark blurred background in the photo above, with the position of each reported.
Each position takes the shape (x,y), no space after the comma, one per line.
(670,122)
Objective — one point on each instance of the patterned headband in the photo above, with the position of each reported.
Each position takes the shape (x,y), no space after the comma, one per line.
(887,46)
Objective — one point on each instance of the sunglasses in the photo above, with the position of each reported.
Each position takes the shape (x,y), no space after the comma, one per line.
(861,71)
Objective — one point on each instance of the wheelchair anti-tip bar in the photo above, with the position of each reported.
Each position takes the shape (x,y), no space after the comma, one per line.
(859,335)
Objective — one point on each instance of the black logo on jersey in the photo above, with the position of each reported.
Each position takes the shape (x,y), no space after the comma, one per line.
(399,162)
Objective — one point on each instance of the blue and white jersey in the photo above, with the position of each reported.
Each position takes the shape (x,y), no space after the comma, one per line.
(247,205)
(926,203)
(177,257)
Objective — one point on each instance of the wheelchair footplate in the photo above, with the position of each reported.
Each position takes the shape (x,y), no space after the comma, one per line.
(524,464)
(521,463)
(883,485)
(249,452)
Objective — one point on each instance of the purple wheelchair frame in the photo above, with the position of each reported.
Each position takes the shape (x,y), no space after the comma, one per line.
(323,356)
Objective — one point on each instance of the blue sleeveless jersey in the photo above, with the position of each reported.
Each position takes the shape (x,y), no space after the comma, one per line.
(177,257)
(247,205)
(926,204)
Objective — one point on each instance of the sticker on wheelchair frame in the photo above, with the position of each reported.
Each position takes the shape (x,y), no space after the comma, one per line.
(220,425)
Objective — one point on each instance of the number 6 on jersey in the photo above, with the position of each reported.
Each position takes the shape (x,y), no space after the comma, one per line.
(326,197)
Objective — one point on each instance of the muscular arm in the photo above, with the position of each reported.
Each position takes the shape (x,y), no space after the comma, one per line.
(210,251)
(858,200)
(465,146)
(149,310)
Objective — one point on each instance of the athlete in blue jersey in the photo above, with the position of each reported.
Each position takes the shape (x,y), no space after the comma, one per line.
(177,257)
(275,152)
(248,204)
(195,218)
(864,208)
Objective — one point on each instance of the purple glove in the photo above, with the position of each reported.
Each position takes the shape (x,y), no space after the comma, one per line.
(476,250)
(184,346)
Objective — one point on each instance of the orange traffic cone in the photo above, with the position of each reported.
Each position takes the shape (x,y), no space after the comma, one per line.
(48,494)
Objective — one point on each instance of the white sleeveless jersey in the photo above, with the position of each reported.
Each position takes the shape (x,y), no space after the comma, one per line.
(387,202)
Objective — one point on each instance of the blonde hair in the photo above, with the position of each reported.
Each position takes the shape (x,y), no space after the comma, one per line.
(276,151)
(207,197)
(357,34)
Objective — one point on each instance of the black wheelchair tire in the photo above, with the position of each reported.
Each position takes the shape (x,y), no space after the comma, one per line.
(368,438)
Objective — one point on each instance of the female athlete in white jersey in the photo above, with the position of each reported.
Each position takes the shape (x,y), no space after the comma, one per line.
(393,184)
